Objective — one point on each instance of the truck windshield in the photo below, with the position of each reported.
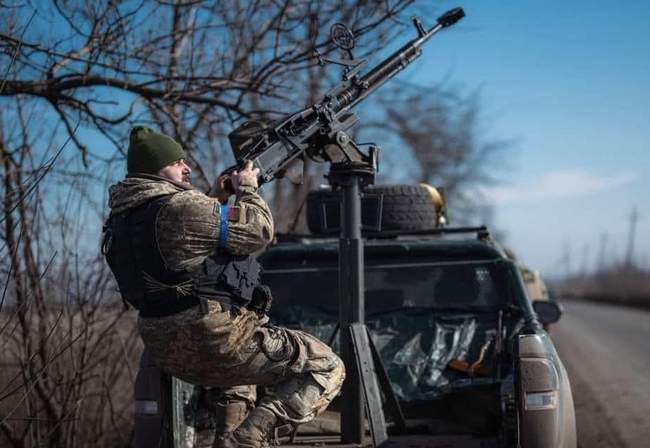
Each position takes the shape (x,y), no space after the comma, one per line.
(468,285)
(421,316)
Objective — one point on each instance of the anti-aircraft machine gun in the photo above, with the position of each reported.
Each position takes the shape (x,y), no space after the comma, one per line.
(319,133)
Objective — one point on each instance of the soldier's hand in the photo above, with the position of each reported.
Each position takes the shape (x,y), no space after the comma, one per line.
(247,176)
(222,187)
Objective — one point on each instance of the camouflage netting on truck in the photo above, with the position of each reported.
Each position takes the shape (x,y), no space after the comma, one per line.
(416,348)
(417,357)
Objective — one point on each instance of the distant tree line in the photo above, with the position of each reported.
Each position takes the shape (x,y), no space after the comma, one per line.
(624,284)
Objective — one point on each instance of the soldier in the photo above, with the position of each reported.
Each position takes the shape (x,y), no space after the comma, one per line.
(183,259)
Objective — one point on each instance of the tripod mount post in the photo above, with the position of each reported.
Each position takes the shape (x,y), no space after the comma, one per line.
(349,178)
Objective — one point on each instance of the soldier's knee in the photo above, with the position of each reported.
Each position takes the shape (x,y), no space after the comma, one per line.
(338,373)
(340,366)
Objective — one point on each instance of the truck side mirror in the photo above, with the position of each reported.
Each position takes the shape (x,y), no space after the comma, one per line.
(547,312)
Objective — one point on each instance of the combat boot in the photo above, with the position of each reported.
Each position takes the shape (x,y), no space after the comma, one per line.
(228,417)
(254,432)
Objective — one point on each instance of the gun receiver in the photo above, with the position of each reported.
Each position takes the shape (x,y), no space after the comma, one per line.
(319,130)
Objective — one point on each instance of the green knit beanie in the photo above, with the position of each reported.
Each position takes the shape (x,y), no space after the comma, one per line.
(150,151)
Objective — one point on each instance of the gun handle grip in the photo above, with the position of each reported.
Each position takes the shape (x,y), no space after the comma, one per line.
(228,186)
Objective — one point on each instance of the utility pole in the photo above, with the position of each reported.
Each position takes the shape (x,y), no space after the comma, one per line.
(585,260)
(634,217)
(602,253)
(565,261)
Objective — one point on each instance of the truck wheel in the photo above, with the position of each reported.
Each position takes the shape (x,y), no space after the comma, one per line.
(404,207)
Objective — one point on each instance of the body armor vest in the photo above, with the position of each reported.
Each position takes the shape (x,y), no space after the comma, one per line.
(131,249)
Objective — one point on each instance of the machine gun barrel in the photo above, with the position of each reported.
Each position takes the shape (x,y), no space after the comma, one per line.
(394,63)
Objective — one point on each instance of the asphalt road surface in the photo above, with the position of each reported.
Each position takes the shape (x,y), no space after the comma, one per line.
(606,350)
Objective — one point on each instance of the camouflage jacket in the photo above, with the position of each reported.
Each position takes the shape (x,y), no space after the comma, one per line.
(187,226)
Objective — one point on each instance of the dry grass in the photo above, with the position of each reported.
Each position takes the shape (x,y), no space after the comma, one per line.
(71,386)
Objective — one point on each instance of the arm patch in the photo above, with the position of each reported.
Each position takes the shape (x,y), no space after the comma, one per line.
(237,214)
(234,214)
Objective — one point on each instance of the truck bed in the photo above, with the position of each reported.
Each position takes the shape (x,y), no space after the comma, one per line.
(406,441)
(324,431)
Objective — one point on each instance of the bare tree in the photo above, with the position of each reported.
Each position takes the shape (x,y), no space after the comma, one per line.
(191,67)
(66,376)
(194,69)
(76,75)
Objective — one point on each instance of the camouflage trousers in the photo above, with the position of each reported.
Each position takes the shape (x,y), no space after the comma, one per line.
(224,349)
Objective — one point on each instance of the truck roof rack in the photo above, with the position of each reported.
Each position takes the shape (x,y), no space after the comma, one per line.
(482,233)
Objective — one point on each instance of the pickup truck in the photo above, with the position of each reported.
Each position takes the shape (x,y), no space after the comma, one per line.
(462,345)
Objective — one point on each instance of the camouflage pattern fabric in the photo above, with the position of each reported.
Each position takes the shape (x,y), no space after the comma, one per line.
(222,396)
(134,191)
(223,349)
(188,225)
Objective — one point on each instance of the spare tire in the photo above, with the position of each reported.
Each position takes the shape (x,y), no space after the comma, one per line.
(404,207)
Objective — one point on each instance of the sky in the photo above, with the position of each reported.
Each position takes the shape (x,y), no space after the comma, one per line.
(569,82)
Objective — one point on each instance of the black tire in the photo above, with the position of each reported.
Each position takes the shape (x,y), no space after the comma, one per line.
(404,207)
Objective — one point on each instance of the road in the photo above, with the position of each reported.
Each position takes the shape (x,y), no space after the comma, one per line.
(606,350)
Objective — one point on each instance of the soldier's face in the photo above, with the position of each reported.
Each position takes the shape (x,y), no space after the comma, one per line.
(178,171)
